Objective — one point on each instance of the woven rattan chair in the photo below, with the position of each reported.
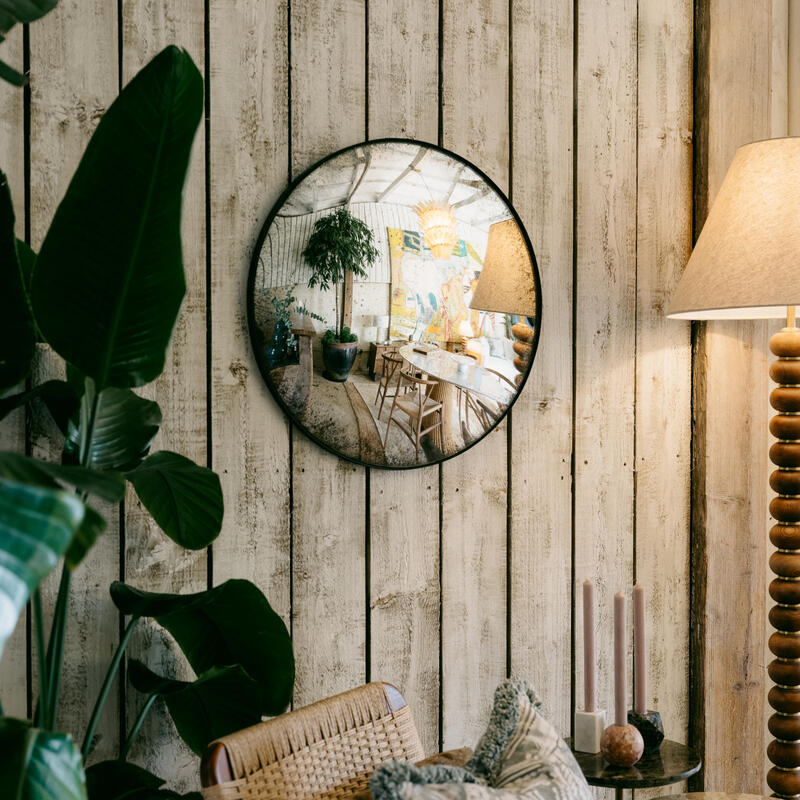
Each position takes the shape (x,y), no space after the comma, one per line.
(323,751)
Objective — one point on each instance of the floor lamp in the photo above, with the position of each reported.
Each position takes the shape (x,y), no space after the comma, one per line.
(746,265)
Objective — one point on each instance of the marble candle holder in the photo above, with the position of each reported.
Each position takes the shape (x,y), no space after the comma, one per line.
(650,726)
(621,745)
(589,727)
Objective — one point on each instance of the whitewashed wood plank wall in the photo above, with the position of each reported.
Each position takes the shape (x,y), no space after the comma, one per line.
(442,580)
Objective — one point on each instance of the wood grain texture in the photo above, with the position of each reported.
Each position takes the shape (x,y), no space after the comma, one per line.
(329,513)
(605,331)
(663,357)
(248,161)
(474,486)
(13,667)
(404,520)
(540,478)
(73,80)
(152,560)
(732,491)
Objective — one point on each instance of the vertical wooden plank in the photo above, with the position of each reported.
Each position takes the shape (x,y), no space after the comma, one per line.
(541,488)
(793,69)
(73,80)
(663,355)
(404,504)
(730,467)
(248,158)
(13,667)
(474,492)
(152,561)
(605,304)
(328,516)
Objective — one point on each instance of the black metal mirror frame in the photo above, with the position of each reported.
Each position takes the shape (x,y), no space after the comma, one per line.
(251,280)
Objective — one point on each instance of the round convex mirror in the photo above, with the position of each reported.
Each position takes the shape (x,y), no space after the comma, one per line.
(394,303)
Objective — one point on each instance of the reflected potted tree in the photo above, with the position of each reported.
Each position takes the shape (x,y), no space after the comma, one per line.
(340,247)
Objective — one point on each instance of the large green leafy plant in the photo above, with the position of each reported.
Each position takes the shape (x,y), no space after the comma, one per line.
(339,244)
(104,293)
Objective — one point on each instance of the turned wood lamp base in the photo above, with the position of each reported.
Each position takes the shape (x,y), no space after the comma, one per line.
(784,643)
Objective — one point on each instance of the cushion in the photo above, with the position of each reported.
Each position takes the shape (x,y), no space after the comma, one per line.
(520,756)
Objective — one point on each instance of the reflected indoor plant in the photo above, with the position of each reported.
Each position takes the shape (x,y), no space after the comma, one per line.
(104,293)
(339,248)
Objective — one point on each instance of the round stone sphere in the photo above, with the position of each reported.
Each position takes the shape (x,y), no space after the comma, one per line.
(621,745)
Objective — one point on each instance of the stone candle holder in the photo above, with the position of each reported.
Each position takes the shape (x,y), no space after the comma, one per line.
(650,727)
(621,745)
(589,726)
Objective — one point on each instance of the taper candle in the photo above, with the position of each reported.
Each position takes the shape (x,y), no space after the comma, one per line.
(639,652)
(620,676)
(589,659)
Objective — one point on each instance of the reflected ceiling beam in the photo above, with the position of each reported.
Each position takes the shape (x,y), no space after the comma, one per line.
(412,167)
(479,223)
(453,185)
(473,198)
(357,183)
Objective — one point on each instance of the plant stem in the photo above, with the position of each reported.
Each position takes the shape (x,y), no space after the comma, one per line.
(55,649)
(106,687)
(44,705)
(136,726)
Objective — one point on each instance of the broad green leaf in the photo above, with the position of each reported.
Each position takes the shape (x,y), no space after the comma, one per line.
(25,469)
(86,535)
(36,527)
(222,700)
(233,623)
(123,430)
(11,75)
(37,764)
(184,499)
(108,281)
(119,780)
(17,331)
(60,397)
(14,11)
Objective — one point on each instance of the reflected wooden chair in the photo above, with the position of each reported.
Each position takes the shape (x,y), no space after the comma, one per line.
(413,398)
(491,408)
(392,363)
(323,751)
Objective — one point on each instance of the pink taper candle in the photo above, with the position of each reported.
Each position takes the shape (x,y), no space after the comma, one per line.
(620,676)
(639,652)
(589,660)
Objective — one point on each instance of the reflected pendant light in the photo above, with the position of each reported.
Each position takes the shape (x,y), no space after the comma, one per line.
(439,226)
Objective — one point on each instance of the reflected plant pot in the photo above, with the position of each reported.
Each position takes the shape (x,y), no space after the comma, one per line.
(338,358)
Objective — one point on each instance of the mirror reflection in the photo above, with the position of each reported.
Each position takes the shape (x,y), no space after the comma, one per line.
(393,304)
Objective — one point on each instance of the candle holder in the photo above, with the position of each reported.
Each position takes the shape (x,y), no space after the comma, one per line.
(651,727)
(589,727)
(621,745)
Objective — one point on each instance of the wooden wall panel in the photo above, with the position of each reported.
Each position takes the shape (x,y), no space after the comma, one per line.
(73,80)
(474,486)
(329,510)
(151,559)
(13,667)
(663,356)
(404,588)
(730,468)
(540,477)
(605,307)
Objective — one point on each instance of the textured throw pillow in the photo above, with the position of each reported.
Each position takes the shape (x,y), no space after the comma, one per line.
(520,756)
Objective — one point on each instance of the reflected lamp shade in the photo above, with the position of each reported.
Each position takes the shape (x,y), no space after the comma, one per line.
(439,226)
(746,263)
(506,284)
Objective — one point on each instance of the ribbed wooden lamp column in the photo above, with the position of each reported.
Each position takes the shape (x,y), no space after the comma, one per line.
(746,265)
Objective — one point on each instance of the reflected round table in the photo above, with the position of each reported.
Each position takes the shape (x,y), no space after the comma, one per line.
(671,763)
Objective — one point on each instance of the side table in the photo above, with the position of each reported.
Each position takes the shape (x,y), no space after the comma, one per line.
(672,763)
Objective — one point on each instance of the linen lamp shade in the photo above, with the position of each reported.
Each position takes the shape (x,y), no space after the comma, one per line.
(746,263)
(506,284)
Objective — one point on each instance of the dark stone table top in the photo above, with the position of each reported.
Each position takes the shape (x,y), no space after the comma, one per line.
(673,762)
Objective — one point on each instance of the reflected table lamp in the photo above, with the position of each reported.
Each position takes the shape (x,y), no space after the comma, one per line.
(746,265)
(506,285)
